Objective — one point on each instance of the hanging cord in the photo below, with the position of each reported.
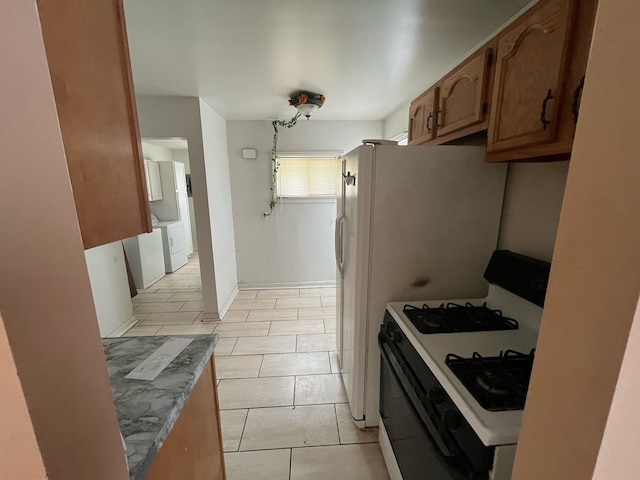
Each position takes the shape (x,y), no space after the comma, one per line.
(274,159)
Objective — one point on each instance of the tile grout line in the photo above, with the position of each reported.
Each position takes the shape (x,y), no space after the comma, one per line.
(335,411)
(290,461)
(261,363)
(244,425)
(295,381)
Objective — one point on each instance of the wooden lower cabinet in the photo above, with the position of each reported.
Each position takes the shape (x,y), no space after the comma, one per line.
(193,450)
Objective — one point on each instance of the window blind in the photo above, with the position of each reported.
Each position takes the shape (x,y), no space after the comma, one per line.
(307,177)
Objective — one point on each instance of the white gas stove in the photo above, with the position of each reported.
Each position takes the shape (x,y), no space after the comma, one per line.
(493,428)
(455,374)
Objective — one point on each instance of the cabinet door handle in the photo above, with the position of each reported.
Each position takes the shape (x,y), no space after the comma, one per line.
(438,118)
(430,117)
(543,113)
(577,97)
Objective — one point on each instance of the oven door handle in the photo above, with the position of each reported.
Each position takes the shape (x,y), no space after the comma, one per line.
(402,378)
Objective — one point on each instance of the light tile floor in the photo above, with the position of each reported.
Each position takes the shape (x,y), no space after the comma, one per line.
(283,407)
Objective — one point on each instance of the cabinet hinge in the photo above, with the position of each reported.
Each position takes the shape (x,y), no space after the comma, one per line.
(485,108)
(490,60)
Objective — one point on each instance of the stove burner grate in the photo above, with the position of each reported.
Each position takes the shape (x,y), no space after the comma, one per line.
(497,383)
(453,318)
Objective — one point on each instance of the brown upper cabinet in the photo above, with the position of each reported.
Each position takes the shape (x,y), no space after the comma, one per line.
(530,65)
(88,56)
(457,105)
(422,121)
(523,87)
(463,94)
(554,37)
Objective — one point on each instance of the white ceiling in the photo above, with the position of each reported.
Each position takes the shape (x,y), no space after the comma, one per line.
(245,57)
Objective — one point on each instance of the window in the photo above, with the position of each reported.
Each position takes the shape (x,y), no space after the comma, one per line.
(402,138)
(308,177)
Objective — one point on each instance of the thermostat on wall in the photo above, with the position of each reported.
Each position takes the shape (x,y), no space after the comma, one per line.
(249,153)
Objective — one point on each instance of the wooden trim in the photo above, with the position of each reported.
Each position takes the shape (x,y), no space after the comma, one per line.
(143,194)
(218,422)
(193,448)
(557,150)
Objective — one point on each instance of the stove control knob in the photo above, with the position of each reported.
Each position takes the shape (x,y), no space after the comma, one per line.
(436,395)
(394,334)
(453,420)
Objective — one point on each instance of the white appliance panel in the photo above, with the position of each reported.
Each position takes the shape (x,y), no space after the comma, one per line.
(175,202)
(174,245)
(177,240)
(419,223)
(339,244)
(153,181)
(180,176)
(354,284)
(182,200)
(146,258)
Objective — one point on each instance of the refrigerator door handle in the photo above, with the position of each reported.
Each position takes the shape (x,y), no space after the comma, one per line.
(339,243)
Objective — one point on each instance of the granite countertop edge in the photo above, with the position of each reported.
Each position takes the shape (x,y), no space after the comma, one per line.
(175,413)
(138,469)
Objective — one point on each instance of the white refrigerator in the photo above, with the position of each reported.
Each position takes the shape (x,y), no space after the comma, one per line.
(413,223)
(174,204)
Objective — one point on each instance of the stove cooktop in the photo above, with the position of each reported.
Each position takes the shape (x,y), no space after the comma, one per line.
(455,318)
(498,383)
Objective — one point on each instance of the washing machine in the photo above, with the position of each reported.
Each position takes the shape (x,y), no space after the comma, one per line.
(174,244)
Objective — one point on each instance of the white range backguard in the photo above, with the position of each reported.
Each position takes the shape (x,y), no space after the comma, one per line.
(419,223)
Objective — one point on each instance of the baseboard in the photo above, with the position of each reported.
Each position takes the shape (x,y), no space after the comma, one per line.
(223,309)
(387,453)
(123,327)
(210,317)
(267,285)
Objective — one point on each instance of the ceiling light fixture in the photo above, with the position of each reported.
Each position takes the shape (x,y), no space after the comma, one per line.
(307,103)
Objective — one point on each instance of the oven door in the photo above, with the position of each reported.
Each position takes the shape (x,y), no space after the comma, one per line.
(420,449)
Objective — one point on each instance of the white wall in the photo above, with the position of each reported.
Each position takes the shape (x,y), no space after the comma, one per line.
(397,122)
(155,152)
(109,285)
(108,272)
(532,204)
(295,245)
(214,142)
(619,460)
(182,156)
(169,116)
(45,295)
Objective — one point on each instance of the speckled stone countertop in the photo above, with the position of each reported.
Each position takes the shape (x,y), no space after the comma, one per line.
(147,410)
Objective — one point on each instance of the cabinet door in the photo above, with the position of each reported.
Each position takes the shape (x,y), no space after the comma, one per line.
(193,448)
(530,63)
(148,182)
(463,94)
(181,177)
(88,57)
(422,125)
(154,181)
